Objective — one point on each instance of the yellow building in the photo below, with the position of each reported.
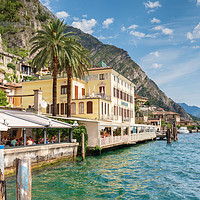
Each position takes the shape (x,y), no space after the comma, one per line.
(103,95)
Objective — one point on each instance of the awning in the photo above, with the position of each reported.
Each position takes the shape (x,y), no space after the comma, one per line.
(20,119)
(3,127)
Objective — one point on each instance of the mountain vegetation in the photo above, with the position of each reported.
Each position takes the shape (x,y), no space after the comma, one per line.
(17,30)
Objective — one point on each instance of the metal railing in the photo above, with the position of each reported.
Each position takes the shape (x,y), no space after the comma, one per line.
(146,133)
(96,96)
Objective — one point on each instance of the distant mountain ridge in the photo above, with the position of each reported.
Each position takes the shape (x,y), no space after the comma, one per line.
(33,14)
(193,110)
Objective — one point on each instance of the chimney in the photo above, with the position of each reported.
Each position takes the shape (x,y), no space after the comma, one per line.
(37,101)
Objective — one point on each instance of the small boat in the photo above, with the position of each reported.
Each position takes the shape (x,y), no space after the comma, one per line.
(183,130)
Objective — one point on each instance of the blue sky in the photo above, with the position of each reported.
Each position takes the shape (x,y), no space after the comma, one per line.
(163,37)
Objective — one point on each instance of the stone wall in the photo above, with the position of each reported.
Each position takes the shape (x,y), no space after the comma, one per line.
(40,153)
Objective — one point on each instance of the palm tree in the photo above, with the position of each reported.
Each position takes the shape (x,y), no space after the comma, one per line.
(49,45)
(77,63)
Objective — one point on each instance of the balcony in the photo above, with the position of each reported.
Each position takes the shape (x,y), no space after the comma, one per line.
(96,96)
(106,117)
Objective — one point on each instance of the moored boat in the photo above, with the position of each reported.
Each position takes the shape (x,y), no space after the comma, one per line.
(183,130)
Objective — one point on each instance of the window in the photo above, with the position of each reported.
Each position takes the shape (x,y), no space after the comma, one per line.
(76,92)
(121,94)
(101,77)
(58,111)
(47,110)
(83,92)
(102,90)
(63,89)
(89,107)
(124,96)
(114,92)
(62,108)
(108,110)
(65,108)
(105,108)
(114,110)
(81,108)
(102,108)
(117,93)
(114,78)
(128,98)
(73,108)
(124,112)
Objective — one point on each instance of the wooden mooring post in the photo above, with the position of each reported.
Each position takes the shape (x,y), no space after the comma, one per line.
(175,132)
(168,136)
(83,146)
(23,179)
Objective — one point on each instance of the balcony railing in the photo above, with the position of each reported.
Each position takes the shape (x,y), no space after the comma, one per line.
(147,134)
(96,96)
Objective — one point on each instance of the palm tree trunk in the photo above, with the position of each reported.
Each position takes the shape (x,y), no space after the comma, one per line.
(55,73)
(69,90)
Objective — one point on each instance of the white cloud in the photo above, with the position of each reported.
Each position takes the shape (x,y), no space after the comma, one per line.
(196,47)
(46,3)
(164,30)
(75,18)
(85,16)
(195,34)
(85,25)
(123,28)
(155,53)
(152,5)
(138,34)
(62,15)
(104,38)
(107,22)
(134,26)
(142,35)
(156,66)
(154,20)
(198,2)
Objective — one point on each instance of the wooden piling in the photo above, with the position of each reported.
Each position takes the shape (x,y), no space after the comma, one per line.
(83,146)
(2,189)
(168,136)
(23,179)
(175,132)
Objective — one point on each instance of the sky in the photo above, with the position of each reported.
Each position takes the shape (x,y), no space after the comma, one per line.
(163,37)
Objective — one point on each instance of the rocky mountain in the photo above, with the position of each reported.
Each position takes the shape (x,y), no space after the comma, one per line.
(193,110)
(31,14)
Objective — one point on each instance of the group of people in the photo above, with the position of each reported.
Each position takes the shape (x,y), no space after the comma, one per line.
(105,134)
(29,141)
(54,139)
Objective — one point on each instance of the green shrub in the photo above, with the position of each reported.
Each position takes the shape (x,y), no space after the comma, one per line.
(3,98)
(11,66)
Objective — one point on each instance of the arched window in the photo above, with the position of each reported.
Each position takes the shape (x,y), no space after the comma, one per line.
(81,108)
(73,108)
(89,107)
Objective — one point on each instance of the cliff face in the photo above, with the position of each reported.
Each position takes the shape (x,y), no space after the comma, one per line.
(111,55)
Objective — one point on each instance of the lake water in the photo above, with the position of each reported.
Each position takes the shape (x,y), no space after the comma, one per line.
(154,170)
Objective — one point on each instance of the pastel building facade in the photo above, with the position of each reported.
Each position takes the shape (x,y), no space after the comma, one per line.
(103,102)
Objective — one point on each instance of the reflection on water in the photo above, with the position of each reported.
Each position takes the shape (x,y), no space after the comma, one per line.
(153,170)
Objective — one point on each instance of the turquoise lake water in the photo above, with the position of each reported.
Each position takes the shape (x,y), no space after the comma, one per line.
(154,170)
